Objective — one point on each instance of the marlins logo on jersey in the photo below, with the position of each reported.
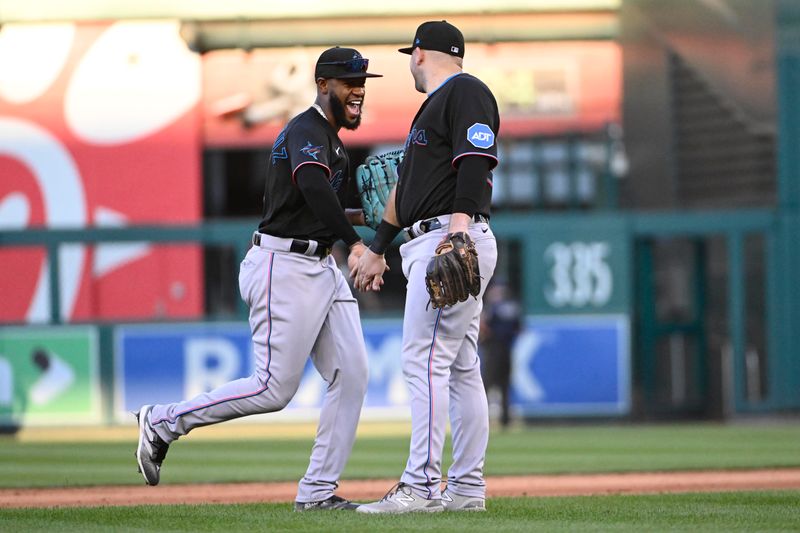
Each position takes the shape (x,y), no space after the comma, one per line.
(311,151)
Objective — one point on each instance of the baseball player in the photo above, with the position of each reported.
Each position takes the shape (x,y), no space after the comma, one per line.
(300,303)
(444,188)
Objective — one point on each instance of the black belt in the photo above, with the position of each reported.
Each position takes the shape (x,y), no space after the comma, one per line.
(430,224)
(300,246)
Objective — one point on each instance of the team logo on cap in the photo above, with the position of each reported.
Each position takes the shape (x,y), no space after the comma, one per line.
(480,135)
(454,49)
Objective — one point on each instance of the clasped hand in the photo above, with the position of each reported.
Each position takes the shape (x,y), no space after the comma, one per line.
(366,268)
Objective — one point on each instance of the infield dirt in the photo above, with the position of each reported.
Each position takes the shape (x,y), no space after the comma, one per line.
(367,490)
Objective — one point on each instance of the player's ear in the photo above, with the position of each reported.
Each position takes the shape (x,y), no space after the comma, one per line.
(322,85)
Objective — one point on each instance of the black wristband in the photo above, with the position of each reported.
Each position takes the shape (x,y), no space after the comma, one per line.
(384,236)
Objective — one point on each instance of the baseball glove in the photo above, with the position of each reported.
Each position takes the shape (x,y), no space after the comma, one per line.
(375,180)
(453,274)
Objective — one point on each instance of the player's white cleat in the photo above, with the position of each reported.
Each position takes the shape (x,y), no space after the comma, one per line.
(152,450)
(454,502)
(401,499)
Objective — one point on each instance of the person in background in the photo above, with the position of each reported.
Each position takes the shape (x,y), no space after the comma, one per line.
(501,323)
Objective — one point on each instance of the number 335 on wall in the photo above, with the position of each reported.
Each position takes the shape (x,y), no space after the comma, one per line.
(579,274)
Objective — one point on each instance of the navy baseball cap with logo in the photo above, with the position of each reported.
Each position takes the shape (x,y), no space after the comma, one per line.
(438,35)
(342,63)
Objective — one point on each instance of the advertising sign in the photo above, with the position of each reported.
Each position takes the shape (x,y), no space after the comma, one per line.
(572,365)
(169,363)
(569,365)
(49,376)
(99,127)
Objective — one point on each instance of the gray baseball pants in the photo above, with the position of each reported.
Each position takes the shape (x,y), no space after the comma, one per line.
(442,371)
(299,305)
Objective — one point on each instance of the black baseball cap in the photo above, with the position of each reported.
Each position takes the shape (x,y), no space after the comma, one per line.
(342,63)
(438,35)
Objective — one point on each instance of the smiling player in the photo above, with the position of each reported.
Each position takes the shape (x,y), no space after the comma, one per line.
(300,303)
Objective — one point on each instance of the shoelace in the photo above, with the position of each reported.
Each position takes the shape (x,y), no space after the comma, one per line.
(394,490)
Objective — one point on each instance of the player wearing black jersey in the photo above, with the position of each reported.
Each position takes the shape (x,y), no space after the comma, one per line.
(444,187)
(300,303)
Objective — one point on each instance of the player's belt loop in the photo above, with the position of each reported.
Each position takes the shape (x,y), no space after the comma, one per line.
(421,227)
(309,248)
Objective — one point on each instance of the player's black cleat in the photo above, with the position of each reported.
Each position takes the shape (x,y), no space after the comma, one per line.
(332,503)
(152,450)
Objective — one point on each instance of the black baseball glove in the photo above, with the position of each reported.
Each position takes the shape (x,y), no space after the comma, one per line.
(453,274)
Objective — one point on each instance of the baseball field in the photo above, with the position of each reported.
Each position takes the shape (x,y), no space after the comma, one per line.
(236,477)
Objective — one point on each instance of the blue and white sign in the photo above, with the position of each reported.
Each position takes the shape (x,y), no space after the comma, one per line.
(169,363)
(165,364)
(572,365)
(387,395)
(480,135)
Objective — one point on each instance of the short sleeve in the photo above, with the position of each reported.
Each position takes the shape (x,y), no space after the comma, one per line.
(307,145)
(474,121)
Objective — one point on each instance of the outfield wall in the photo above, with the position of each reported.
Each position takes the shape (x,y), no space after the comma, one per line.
(63,375)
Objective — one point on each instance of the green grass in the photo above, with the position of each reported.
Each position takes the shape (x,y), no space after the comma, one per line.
(724,512)
(533,450)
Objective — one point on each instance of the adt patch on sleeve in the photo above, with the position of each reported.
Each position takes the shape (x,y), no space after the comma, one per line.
(480,135)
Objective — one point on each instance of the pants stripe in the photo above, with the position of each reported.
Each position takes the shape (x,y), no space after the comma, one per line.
(430,401)
(269,358)
(269,319)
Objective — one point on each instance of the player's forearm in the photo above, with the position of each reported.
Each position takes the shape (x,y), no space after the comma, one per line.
(387,229)
(459,222)
(389,211)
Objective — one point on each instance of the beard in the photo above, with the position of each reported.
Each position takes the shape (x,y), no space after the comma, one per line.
(337,108)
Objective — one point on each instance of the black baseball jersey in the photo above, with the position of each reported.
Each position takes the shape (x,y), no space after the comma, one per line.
(458,119)
(308,139)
